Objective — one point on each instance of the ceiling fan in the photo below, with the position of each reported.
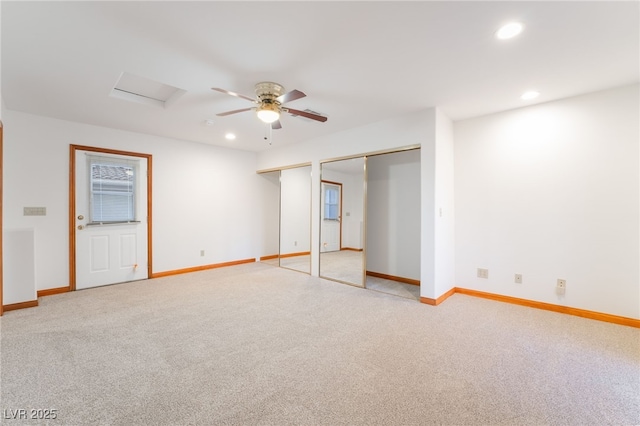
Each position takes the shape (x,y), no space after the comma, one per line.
(270,97)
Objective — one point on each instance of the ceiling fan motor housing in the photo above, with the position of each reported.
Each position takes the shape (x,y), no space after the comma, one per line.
(274,107)
(268,91)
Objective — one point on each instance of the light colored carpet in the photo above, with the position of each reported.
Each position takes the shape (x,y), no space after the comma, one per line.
(300,263)
(257,345)
(297,263)
(343,265)
(272,262)
(396,288)
(347,266)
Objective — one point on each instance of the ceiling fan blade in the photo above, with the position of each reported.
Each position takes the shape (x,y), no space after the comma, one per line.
(306,114)
(235,111)
(291,96)
(228,92)
(276,125)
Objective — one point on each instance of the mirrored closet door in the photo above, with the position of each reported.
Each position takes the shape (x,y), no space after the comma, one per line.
(393,223)
(295,219)
(342,221)
(270,217)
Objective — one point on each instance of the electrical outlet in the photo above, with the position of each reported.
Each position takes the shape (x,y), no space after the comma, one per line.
(295,243)
(561,287)
(518,279)
(483,273)
(201,252)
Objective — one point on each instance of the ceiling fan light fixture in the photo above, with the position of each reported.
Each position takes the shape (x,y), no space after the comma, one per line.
(268,113)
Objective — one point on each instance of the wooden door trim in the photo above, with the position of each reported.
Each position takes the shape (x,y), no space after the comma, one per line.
(340,212)
(72,205)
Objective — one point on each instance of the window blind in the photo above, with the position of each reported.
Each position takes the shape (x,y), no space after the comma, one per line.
(331,203)
(112,187)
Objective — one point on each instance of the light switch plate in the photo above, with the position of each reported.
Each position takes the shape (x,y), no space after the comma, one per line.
(34,211)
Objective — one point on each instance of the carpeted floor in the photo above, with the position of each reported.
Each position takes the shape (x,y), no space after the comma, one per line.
(346,266)
(257,345)
(343,265)
(393,287)
(297,263)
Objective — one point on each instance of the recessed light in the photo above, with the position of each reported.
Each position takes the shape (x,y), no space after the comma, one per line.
(532,94)
(509,31)
(230,136)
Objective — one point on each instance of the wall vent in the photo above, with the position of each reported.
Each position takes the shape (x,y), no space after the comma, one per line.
(308,119)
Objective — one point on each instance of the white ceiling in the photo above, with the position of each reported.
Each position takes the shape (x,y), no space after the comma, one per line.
(358,62)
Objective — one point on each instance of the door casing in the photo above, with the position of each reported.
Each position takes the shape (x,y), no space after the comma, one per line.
(72,205)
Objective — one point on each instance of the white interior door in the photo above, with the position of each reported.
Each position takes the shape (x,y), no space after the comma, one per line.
(331,216)
(111,219)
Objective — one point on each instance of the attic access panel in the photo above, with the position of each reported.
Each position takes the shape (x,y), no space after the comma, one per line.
(145,91)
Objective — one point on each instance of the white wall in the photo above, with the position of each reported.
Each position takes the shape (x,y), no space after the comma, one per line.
(204,198)
(295,213)
(553,191)
(393,214)
(353,224)
(444,277)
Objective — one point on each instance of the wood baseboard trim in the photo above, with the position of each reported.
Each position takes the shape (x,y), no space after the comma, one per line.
(439,300)
(301,253)
(351,248)
(200,268)
(21,305)
(271,256)
(52,291)
(394,278)
(615,319)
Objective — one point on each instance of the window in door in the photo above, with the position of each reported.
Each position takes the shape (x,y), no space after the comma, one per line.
(112,184)
(331,202)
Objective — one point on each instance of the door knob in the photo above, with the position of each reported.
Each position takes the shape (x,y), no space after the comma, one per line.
(80,227)
(80,217)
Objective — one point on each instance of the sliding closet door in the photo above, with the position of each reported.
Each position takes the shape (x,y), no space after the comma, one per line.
(295,219)
(342,219)
(393,223)
(270,217)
